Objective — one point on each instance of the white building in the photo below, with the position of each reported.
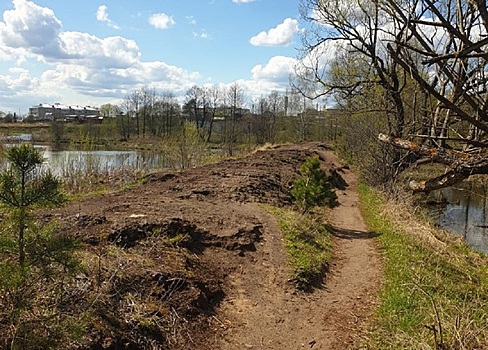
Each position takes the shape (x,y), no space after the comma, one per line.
(57,111)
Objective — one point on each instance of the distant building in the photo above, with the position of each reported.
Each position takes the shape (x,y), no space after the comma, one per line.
(59,112)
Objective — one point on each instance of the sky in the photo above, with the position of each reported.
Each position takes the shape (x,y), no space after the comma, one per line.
(95,52)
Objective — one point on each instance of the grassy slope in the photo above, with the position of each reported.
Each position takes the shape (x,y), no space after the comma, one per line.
(435,292)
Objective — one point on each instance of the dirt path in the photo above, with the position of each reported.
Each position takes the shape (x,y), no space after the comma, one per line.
(263,311)
(355,277)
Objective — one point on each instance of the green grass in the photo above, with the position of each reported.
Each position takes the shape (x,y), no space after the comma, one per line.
(308,244)
(435,290)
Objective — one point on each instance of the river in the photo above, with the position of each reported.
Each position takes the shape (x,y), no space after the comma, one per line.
(465,214)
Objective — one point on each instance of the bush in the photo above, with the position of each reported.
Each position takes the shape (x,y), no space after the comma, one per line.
(313,187)
(185,149)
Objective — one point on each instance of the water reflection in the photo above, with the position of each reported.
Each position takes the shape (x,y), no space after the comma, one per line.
(465,214)
(66,163)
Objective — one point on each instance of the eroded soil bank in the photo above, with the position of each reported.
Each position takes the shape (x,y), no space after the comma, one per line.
(190,260)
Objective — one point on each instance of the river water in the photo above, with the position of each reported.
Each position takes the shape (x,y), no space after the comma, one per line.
(465,214)
(64,163)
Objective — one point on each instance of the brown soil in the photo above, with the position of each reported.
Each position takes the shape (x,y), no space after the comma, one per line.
(190,260)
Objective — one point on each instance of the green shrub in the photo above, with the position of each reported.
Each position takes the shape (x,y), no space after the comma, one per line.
(313,187)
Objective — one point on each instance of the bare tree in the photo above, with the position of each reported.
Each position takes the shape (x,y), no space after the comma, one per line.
(262,121)
(168,112)
(149,99)
(214,100)
(431,53)
(201,105)
(450,39)
(352,28)
(126,119)
(132,106)
(235,100)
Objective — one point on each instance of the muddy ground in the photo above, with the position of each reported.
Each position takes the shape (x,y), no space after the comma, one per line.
(190,260)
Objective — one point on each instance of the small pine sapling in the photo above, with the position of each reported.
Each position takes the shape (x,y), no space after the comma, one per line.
(312,188)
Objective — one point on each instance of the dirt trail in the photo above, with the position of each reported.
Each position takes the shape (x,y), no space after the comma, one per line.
(355,277)
(263,311)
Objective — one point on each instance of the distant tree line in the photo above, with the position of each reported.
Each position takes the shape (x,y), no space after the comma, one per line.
(8,117)
(221,115)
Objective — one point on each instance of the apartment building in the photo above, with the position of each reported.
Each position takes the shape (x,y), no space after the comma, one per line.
(60,112)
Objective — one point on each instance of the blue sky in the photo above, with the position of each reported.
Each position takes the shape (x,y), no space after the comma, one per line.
(95,52)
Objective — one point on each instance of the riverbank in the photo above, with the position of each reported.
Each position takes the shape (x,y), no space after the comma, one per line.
(107,136)
(435,289)
(79,136)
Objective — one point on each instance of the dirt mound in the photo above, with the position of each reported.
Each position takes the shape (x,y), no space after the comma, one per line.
(159,256)
(265,176)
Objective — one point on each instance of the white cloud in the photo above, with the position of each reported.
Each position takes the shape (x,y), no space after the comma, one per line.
(19,81)
(117,82)
(73,67)
(31,27)
(270,77)
(242,1)
(102,16)
(280,35)
(18,85)
(161,21)
(202,35)
(114,51)
(277,70)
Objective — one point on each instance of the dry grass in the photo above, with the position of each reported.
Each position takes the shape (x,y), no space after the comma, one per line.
(265,147)
(401,210)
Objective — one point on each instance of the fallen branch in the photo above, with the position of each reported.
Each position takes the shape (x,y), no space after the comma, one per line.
(436,155)
(462,165)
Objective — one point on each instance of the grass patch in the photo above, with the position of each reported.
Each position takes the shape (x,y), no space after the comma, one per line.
(308,244)
(435,291)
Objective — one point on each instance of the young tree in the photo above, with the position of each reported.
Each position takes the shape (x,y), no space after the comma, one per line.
(22,188)
(312,188)
(184,148)
(32,288)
